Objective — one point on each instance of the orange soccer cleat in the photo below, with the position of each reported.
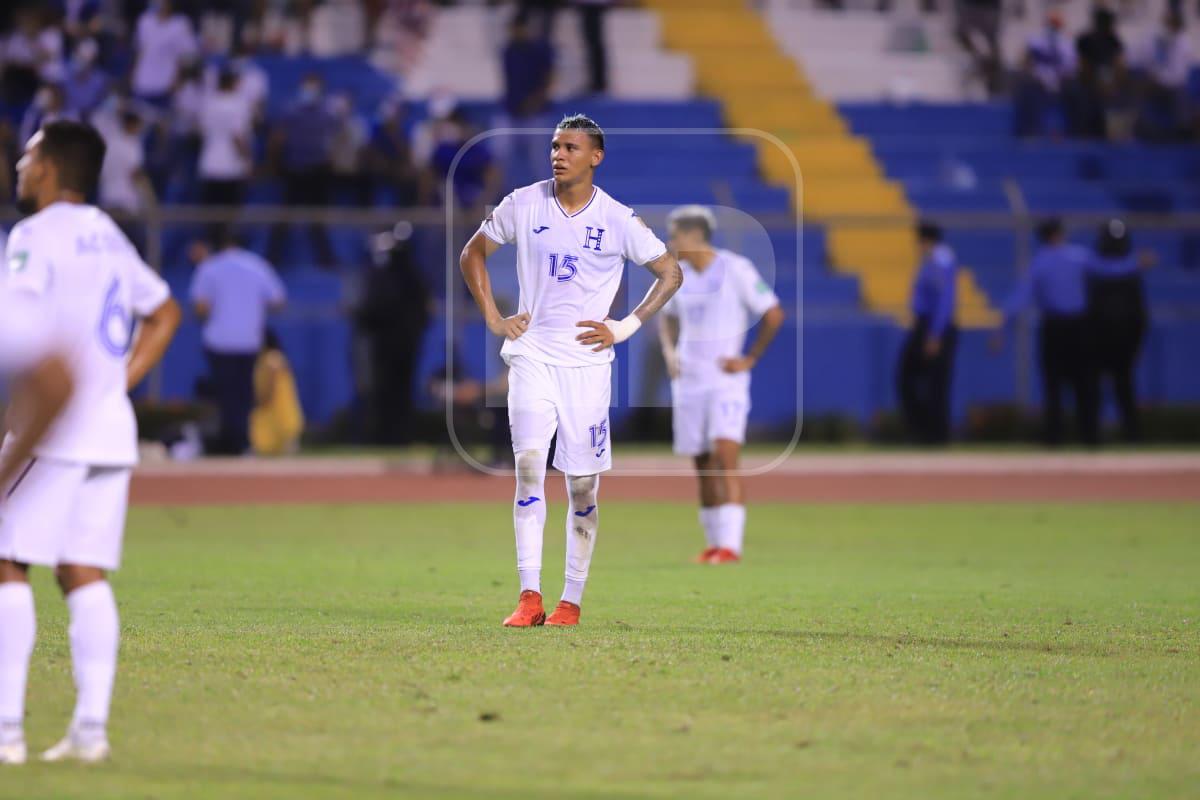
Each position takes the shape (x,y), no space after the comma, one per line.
(564,614)
(529,611)
(705,556)
(724,555)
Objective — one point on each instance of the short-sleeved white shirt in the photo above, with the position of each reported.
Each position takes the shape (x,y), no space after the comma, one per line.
(225,118)
(93,286)
(569,267)
(716,306)
(162,45)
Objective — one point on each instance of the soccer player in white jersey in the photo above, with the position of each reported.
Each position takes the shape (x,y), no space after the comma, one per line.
(572,243)
(66,507)
(702,332)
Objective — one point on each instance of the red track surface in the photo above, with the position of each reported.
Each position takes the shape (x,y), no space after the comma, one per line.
(915,485)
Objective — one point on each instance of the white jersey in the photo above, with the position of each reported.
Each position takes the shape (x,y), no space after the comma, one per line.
(569,267)
(94,286)
(716,306)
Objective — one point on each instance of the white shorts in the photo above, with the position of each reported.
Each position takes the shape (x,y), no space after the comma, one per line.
(700,418)
(58,512)
(574,401)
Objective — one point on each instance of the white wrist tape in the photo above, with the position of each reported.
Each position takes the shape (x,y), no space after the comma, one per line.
(622,329)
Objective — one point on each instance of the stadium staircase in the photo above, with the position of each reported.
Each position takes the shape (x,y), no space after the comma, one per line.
(739,61)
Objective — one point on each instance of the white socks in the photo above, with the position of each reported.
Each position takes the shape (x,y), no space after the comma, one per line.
(709,520)
(94,632)
(529,517)
(724,526)
(583,523)
(18,627)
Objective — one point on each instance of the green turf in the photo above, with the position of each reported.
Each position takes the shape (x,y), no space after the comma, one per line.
(861,652)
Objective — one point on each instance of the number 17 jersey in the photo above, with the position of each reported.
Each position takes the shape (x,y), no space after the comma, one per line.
(569,267)
(94,285)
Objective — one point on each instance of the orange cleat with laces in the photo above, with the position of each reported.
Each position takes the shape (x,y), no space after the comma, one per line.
(529,613)
(724,556)
(564,614)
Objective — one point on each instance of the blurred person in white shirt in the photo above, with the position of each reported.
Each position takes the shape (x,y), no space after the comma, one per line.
(226,133)
(124,186)
(164,42)
(348,150)
(1165,61)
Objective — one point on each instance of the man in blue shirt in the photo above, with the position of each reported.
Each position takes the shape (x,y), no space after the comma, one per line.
(1056,285)
(233,291)
(927,359)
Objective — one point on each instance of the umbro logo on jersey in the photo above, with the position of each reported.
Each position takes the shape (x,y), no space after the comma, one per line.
(541,228)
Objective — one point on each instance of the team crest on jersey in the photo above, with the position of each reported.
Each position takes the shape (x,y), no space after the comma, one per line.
(593,236)
(17,261)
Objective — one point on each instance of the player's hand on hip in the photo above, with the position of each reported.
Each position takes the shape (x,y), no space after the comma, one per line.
(510,327)
(736,365)
(599,335)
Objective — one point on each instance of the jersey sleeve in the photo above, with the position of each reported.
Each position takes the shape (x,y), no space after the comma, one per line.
(150,291)
(274,289)
(501,225)
(753,291)
(641,245)
(28,265)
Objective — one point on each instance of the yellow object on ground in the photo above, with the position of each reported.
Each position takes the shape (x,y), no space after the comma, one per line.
(277,420)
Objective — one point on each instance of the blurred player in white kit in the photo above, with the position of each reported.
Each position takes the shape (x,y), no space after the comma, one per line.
(65,507)
(702,331)
(572,242)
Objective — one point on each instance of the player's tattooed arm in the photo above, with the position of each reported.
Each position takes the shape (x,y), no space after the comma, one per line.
(668,337)
(669,278)
(473,263)
(154,336)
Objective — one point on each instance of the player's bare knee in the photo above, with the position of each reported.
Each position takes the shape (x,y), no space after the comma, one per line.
(583,489)
(13,572)
(74,576)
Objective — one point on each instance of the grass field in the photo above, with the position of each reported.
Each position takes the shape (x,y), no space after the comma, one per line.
(356,652)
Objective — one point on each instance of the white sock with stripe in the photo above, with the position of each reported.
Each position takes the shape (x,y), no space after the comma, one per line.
(529,517)
(18,629)
(94,633)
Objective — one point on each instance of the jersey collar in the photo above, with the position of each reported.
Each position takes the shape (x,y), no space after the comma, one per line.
(595,191)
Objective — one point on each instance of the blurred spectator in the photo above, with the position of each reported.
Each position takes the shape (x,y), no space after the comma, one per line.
(226,135)
(1119,315)
(977,27)
(187,105)
(1056,284)
(301,147)
(392,316)
(927,358)
(253,82)
(1097,98)
(48,105)
(390,157)
(538,16)
(86,85)
(277,420)
(348,148)
(1049,63)
(232,292)
(528,75)
(165,41)
(591,20)
(437,143)
(31,54)
(124,185)
(1166,61)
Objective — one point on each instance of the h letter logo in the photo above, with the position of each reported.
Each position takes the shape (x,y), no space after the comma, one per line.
(593,238)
